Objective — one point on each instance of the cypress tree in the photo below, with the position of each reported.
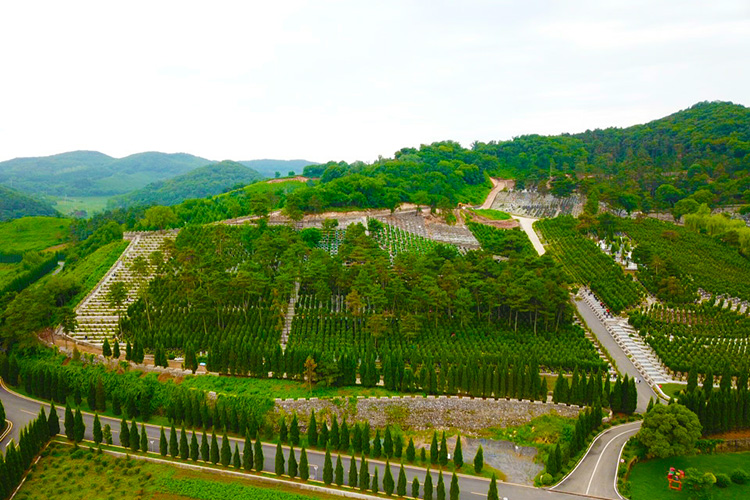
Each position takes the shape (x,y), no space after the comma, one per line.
(184,447)
(353,476)
(492,493)
(226,451)
(443,453)
(304,468)
(214,449)
(279,464)
(97,429)
(375,481)
(328,469)
(80,429)
(428,485)
(333,436)
(115,350)
(124,434)
(479,460)
(174,446)
(364,475)
(258,458)
(388,479)
(163,445)
(422,455)
(116,408)
(247,453)
(283,431)
(194,450)
(339,472)
(411,453)
(91,396)
(458,455)
(323,436)
(312,430)
(344,436)
(144,439)
(415,488)
(440,487)
(357,439)
(236,460)
(434,450)
(69,423)
(205,454)
(101,396)
(388,442)
(53,422)
(398,446)
(552,465)
(293,467)
(377,450)
(401,485)
(135,438)
(106,349)
(294,431)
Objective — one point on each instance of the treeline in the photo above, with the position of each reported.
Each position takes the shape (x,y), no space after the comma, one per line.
(18,458)
(719,410)
(42,265)
(561,457)
(15,205)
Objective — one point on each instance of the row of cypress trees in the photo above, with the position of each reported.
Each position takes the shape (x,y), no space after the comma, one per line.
(18,458)
(587,422)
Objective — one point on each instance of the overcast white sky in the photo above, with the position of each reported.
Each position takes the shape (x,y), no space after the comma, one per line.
(346,80)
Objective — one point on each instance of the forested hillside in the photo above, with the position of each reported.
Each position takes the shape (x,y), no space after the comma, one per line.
(14,205)
(199,183)
(90,173)
(268,168)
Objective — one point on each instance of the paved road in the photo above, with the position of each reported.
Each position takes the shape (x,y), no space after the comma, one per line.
(595,474)
(624,365)
(22,410)
(527,225)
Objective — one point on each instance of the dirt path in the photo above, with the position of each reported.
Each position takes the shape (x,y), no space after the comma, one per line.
(497,186)
(527,226)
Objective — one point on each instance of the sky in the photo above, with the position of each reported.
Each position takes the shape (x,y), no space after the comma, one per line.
(351,80)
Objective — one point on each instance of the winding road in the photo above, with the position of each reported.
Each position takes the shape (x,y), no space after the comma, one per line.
(592,477)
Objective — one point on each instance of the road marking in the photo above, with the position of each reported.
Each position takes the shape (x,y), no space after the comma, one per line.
(601,454)
(479,494)
(29,412)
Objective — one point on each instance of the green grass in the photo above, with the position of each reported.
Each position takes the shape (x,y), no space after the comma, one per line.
(64,473)
(539,432)
(273,388)
(32,234)
(93,267)
(672,389)
(475,194)
(648,479)
(491,214)
(91,204)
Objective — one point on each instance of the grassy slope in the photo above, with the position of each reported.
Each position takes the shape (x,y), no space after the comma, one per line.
(32,234)
(648,480)
(90,270)
(492,214)
(91,204)
(65,474)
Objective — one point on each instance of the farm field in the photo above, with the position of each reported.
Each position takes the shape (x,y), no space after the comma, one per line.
(588,265)
(32,234)
(67,474)
(89,204)
(648,479)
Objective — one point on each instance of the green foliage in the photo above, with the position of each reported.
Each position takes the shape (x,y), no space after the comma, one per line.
(505,242)
(16,205)
(492,214)
(479,460)
(669,430)
(32,234)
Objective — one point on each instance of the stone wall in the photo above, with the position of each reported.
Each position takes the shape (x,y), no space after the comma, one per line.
(420,413)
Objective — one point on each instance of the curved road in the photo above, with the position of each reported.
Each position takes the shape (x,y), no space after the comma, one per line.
(21,410)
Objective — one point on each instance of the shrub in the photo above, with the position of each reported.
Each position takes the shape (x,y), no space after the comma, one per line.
(546,479)
(739,476)
(722,480)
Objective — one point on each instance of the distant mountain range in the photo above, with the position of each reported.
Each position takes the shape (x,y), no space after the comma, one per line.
(14,205)
(198,183)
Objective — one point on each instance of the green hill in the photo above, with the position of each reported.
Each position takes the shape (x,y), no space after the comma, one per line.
(268,168)
(90,173)
(14,205)
(199,183)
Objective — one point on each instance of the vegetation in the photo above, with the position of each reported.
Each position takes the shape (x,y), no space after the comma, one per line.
(669,430)
(32,234)
(15,205)
(18,458)
(204,181)
(505,242)
(491,214)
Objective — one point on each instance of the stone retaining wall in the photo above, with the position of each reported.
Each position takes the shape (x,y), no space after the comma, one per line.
(420,413)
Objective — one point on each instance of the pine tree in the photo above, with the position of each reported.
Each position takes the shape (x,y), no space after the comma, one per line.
(294,431)
(69,423)
(312,430)
(97,429)
(184,447)
(364,475)
(401,485)
(163,446)
(443,453)
(236,460)
(328,469)
(434,450)
(79,428)
(174,446)
(194,450)
(135,438)
(411,453)
(116,350)
(458,455)
(304,467)
(428,485)
(258,458)
(440,487)
(106,349)
(279,464)
(492,493)
(205,453)
(144,439)
(479,460)
(124,434)
(353,475)
(214,449)
(247,453)
(415,488)
(338,473)
(53,422)
(388,479)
